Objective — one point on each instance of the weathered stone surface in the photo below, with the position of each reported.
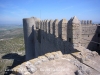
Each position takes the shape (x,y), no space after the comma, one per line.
(50,31)
(89,58)
(28,24)
(60,53)
(43,58)
(30,67)
(84,62)
(36,61)
(64,29)
(83,68)
(55,67)
(69,38)
(56,55)
(15,69)
(49,56)
(51,26)
(64,21)
(56,27)
(75,20)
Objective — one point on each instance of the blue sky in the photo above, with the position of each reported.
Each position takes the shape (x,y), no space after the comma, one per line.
(13,11)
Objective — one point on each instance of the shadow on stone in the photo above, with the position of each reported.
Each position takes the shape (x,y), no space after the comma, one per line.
(17,59)
(94,43)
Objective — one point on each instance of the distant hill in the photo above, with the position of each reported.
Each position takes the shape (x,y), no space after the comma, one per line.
(11,47)
(7,27)
(16,32)
(9,31)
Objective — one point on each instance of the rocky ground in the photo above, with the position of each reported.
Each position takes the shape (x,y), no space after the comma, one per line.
(84,62)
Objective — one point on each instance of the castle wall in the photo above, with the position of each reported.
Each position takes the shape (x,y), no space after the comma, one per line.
(46,36)
(28,24)
(98,35)
(89,35)
(43,36)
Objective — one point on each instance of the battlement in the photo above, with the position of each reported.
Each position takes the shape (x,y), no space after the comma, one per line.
(48,42)
(43,36)
(88,22)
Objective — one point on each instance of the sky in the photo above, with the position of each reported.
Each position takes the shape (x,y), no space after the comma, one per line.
(13,11)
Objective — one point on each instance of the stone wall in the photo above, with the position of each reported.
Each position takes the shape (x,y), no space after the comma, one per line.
(89,35)
(43,36)
(84,62)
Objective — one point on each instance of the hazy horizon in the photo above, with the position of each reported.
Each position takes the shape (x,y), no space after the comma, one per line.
(13,11)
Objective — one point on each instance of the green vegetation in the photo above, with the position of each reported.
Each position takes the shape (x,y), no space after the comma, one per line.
(9,45)
(11,41)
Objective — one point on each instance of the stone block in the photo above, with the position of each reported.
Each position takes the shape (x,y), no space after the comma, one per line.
(56,55)
(75,20)
(50,56)
(43,58)
(30,67)
(36,61)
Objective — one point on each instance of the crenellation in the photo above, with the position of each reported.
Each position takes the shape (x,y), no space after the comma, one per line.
(51,26)
(60,30)
(69,31)
(41,25)
(82,22)
(37,23)
(44,25)
(51,30)
(75,20)
(88,22)
(41,29)
(47,26)
(58,33)
(56,27)
(85,22)
(76,31)
(49,42)
(64,29)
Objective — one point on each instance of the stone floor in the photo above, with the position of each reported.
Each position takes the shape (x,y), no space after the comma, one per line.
(84,62)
